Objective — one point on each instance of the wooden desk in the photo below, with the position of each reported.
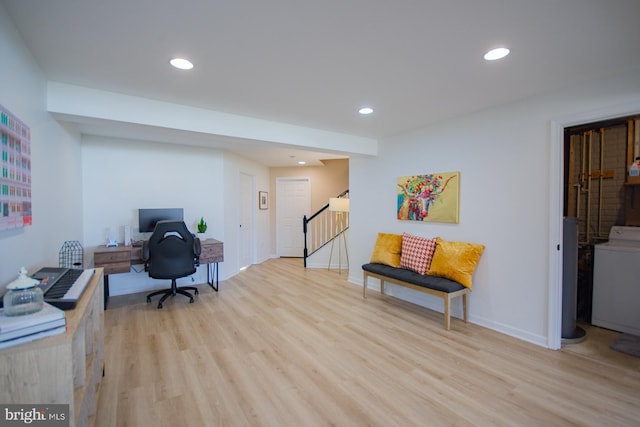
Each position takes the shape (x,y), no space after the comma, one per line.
(119,259)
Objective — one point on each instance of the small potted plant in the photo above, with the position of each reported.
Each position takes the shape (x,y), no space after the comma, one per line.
(202,226)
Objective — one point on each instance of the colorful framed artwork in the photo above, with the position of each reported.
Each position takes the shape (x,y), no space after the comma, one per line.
(263,200)
(15,172)
(429,198)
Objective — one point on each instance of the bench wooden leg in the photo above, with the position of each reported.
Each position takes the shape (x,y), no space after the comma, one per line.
(364,285)
(465,307)
(447,316)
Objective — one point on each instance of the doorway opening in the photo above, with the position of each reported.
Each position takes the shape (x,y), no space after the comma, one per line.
(597,191)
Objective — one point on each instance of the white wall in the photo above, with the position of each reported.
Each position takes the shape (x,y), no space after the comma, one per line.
(121,176)
(503,155)
(55,155)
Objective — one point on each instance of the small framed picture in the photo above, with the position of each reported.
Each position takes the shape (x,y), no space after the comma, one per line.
(263,200)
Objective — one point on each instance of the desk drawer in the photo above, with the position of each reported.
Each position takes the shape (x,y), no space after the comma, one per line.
(113,261)
(100,258)
(211,253)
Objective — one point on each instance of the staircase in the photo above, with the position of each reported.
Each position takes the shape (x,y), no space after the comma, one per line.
(322,227)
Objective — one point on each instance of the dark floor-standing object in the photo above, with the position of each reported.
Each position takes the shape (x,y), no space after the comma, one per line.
(570,332)
(170,253)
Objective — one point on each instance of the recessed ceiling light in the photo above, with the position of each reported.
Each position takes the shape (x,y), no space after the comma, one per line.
(497,53)
(181,63)
(365,110)
(302,162)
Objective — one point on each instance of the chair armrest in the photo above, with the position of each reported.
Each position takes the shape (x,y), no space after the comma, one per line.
(197,248)
(145,251)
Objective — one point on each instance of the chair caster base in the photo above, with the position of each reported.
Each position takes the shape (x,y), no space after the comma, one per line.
(173,292)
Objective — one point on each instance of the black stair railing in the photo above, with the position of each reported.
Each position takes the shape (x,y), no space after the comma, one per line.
(320,228)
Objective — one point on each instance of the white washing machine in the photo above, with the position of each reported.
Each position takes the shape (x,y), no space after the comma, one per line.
(616,281)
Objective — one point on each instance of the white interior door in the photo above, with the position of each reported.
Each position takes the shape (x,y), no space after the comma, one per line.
(293,201)
(247,208)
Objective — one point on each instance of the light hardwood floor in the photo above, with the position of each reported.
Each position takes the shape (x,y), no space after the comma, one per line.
(283,346)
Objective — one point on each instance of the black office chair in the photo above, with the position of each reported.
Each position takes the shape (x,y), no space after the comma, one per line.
(170,253)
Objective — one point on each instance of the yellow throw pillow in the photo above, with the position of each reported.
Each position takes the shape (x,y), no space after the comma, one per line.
(387,249)
(455,261)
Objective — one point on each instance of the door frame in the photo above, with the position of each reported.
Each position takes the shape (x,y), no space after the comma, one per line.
(556,207)
(251,201)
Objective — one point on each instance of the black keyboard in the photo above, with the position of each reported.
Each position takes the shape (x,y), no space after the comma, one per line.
(63,284)
(63,287)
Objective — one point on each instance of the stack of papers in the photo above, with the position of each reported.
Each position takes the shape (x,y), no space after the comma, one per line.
(16,330)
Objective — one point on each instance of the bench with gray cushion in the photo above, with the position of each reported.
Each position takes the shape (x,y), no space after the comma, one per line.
(432,285)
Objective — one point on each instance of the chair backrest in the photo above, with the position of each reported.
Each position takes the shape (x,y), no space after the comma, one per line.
(171,251)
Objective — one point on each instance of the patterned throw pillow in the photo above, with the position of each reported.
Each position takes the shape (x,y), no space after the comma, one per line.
(417,253)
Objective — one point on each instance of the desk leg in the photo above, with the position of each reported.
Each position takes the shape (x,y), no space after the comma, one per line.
(210,280)
(106,290)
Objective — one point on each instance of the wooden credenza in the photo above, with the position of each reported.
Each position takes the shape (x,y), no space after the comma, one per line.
(119,259)
(65,368)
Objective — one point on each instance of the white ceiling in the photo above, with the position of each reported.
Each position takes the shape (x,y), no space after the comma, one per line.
(313,63)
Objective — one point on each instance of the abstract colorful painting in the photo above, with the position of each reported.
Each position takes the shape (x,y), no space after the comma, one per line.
(429,198)
(15,176)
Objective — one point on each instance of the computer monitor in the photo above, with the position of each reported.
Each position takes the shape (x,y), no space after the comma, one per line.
(147,218)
